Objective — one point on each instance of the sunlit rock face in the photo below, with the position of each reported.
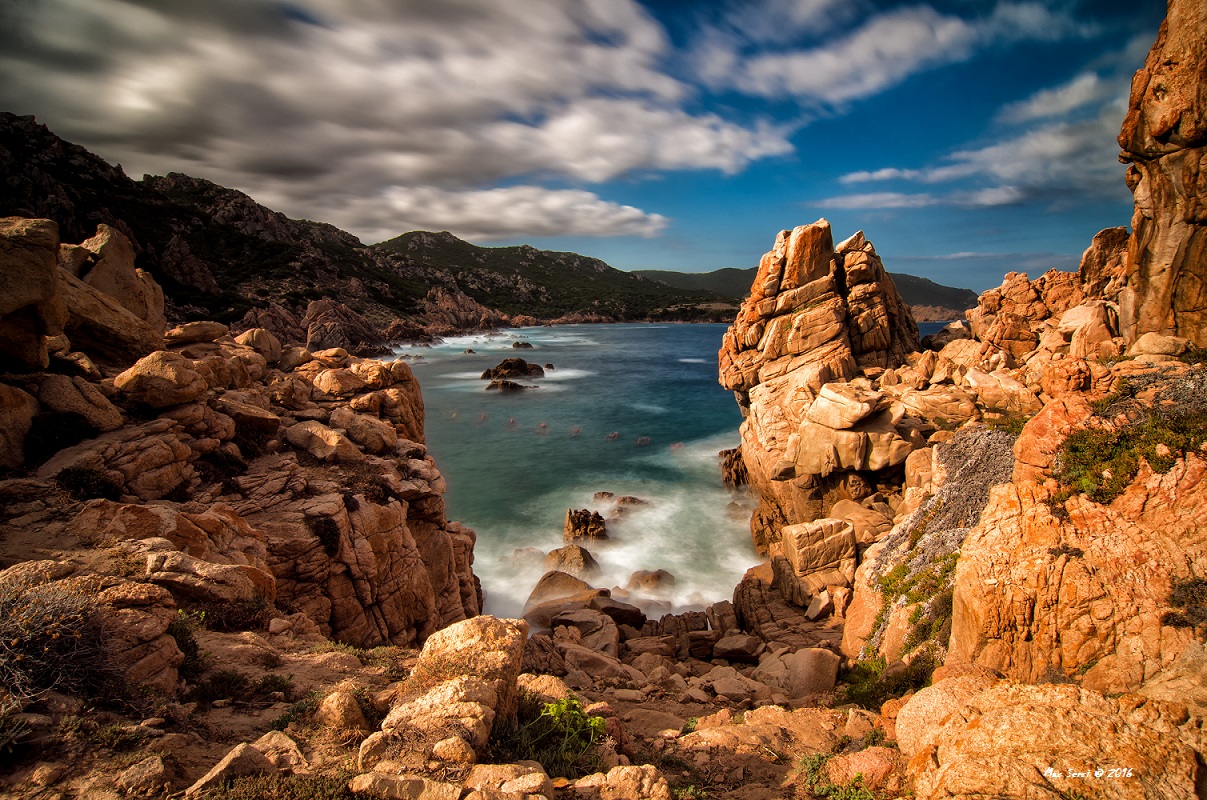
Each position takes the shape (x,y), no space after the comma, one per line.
(1164,137)
(818,320)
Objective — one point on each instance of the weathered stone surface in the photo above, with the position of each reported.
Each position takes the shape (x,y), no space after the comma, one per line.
(194,333)
(484,648)
(28,289)
(526,778)
(137,618)
(191,578)
(323,442)
(1028,741)
(625,783)
(340,713)
(102,327)
(17,410)
(842,405)
(242,760)
(329,323)
(510,368)
(821,553)
(597,630)
(373,434)
(817,314)
(403,787)
(1164,136)
(573,560)
(583,524)
(283,752)
(145,777)
(263,342)
(919,721)
(162,379)
(113,273)
(78,396)
(1084,594)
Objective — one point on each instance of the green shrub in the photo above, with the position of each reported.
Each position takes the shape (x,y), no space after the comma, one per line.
(1100,463)
(223,684)
(182,628)
(812,781)
(298,711)
(1191,597)
(869,686)
(281,787)
(51,638)
(88,483)
(235,615)
(561,736)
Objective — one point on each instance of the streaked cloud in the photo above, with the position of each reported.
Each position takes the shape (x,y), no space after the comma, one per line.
(316,101)
(884,51)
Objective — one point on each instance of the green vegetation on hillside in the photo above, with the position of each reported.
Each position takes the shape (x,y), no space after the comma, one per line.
(543,283)
(735,284)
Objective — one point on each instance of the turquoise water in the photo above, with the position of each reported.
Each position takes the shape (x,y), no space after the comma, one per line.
(631,409)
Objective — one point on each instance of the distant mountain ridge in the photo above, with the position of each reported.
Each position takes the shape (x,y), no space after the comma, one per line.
(220,255)
(735,284)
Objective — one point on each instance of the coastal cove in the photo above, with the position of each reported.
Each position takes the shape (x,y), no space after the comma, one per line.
(511,480)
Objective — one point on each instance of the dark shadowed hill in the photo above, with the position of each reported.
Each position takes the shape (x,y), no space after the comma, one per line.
(219,254)
(735,284)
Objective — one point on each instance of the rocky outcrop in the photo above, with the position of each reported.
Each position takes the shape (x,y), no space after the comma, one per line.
(1164,137)
(28,290)
(513,368)
(447,311)
(1053,742)
(818,317)
(313,461)
(329,324)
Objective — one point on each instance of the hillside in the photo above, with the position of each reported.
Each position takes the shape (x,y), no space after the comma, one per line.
(219,254)
(735,284)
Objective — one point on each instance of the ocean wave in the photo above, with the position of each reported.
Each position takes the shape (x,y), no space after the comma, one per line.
(693,361)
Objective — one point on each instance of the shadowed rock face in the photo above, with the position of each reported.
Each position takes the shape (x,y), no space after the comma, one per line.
(1164,137)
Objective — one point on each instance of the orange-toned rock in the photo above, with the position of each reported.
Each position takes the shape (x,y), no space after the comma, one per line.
(1165,137)
(1058,741)
(1083,594)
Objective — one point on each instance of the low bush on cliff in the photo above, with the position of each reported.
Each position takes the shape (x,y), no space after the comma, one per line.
(51,638)
(1191,597)
(1102,462)
(561,736)
(285,787)
(811,782)
(88,483)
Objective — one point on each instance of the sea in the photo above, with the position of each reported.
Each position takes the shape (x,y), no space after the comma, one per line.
(630,409)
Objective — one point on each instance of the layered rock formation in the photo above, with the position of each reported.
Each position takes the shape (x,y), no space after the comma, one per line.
(234,470)
(1164,138)
(817,317)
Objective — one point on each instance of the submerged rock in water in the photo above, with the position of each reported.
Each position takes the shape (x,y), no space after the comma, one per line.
(583,523)
(513,368)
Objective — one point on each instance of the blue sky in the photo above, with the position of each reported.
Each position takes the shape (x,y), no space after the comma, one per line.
(965,138)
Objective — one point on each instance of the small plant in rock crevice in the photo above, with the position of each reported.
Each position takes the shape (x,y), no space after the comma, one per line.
(813,783)
(561,736)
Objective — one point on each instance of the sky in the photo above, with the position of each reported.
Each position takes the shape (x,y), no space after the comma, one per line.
(967,138)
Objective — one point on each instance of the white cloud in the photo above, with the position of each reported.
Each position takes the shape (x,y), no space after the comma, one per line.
(498,213)
(1083,90)
(879,200)
(883,52)
(313,102)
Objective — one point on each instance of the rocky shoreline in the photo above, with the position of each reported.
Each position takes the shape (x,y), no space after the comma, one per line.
(228,571)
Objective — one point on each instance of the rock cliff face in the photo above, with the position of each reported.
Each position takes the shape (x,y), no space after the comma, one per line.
(231,470)
(817,316)
(1164,137)
(1064,547)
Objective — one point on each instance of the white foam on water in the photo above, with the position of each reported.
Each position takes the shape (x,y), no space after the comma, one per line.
(692,361)
(695,529)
